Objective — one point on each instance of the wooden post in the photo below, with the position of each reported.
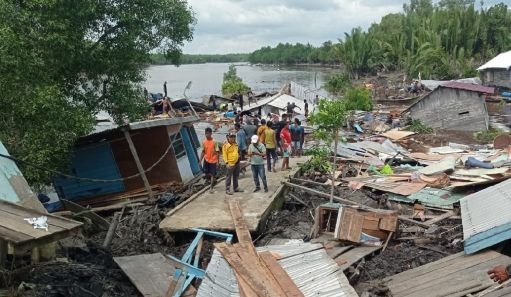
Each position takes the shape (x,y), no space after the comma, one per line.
(137,162)
(3,253)
(334,167)
(111,231)
(191,106)
(35,255)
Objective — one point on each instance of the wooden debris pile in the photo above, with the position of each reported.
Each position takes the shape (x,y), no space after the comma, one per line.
(258,274)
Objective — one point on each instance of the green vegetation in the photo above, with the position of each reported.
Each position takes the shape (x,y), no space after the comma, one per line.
(160,59)
(338,83)
(440,41)
(418,127)
(319,161)
(487,136)
(295,54)
(63,61)
(358,99)
(233,83)
(329,120)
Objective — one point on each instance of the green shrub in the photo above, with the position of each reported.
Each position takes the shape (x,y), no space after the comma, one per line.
(319,161)
(487,136)
(359,99)
(418,127)
(338,83)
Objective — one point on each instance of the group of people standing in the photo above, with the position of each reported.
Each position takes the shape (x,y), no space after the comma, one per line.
(257,140)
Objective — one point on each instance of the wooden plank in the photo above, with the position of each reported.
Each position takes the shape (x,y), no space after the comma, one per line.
(354,255)
(85,212)
(24,212)
(253,261)
(460,267)
(388,223)
(336,251)
(448,283)
(440,218)
(240,225)
(500,293)
(14,236)
(18,224)
(149,273)
(414,222)
(244,288)
(3,253)
(140,168)
(257,283)
(440,264)
(283,279)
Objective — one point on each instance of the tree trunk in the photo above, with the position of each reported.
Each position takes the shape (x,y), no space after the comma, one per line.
(334,167)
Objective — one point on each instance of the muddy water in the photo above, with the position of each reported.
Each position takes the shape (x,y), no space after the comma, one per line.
(207,78)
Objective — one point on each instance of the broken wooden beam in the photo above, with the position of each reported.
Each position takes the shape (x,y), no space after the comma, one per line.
(111,231)
(85,212)
(280,275)
(258,283)
(440,218)
(297,199)
(319,193)
(414,222)
(140,168)
(241,227)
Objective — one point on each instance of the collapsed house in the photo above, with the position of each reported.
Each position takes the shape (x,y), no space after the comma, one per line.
(109,161)
(454,106)
(497,71)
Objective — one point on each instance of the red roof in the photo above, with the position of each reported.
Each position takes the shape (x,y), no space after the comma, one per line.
(469,87)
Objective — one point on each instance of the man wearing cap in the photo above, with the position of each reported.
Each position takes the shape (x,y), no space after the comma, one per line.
(231,159)
(257,151)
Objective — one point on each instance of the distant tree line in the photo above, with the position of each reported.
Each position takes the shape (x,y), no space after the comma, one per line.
(161,59)
(445,40)
(286,53)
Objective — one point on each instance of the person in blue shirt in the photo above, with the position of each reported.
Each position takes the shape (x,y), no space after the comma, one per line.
(297,137)
(241,140)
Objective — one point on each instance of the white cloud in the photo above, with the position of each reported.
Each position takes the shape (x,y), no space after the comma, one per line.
(236,26)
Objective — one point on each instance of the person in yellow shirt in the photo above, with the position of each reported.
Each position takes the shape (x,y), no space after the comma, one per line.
(261,130)
(270,138)
(232,161)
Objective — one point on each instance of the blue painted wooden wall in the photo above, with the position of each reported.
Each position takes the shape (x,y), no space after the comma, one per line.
(94,161)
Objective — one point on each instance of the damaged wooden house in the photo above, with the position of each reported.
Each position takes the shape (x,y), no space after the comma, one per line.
(115,160)
(454,106)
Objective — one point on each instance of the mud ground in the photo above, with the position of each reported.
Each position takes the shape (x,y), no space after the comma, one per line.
(85,269)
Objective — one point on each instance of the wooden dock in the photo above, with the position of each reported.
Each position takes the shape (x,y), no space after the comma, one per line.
(210,210)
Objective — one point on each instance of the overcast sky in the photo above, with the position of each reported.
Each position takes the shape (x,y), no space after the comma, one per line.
(242,26)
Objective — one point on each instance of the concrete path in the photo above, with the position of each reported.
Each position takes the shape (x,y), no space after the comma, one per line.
(210,211)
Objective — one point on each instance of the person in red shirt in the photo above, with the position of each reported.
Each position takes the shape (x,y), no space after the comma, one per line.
(285,138)
(210,153)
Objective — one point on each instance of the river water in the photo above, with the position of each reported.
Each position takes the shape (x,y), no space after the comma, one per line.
(207,78)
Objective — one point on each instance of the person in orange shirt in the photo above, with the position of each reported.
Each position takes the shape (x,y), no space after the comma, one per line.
(210,153)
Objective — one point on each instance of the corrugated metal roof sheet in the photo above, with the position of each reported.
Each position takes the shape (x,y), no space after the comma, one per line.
(486,217)
(430,197)
(501,61)
(105,124)
(279,101)
(282,100)
(308,265)
(469,87)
